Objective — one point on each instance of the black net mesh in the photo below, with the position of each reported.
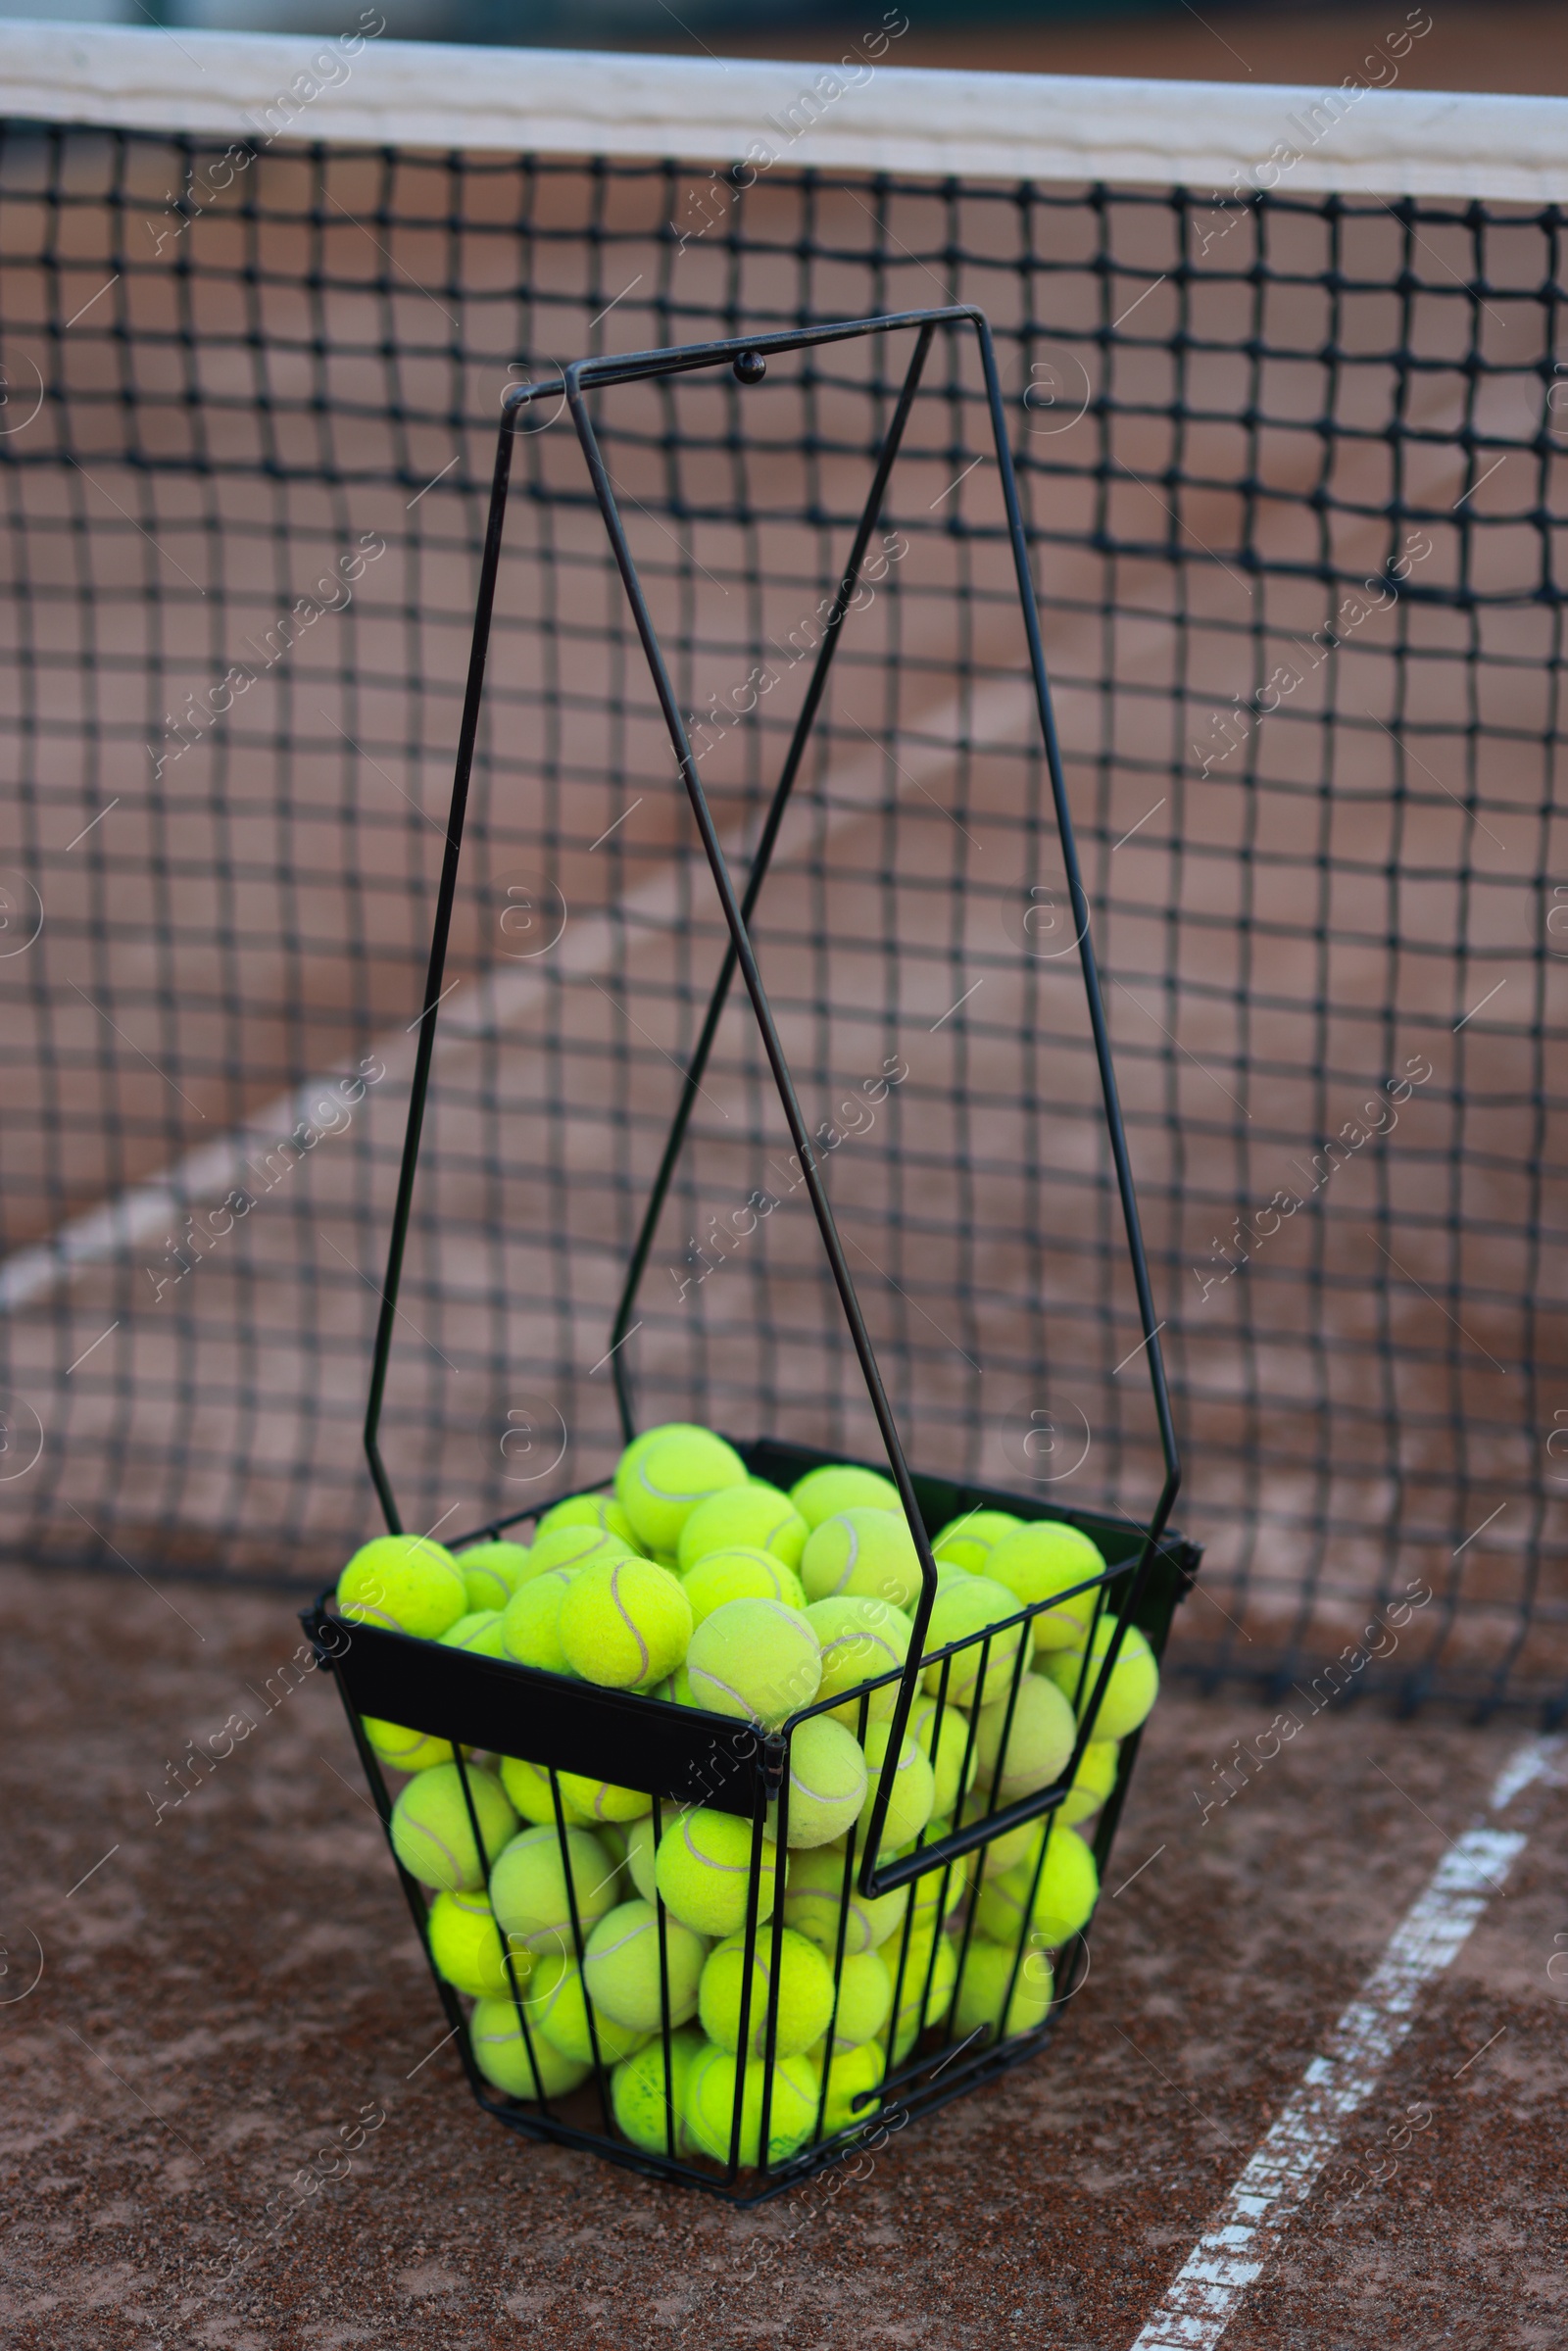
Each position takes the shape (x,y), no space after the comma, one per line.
(1291,472)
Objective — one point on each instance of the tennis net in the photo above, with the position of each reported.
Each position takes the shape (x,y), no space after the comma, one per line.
(1289,440)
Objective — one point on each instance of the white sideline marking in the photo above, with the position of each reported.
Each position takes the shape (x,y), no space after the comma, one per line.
(1234,2249)
(147,1211)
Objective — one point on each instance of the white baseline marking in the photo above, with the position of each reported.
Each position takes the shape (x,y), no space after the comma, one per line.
(1234,2249)
(1000,713)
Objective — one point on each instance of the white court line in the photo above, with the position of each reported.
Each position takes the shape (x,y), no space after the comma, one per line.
(1236,2246)
(146,1212)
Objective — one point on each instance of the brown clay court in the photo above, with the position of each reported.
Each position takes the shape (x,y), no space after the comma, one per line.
(221,1992)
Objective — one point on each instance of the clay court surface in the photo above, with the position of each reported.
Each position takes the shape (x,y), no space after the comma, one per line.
(235,1982)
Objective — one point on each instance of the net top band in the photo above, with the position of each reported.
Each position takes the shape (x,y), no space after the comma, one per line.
(855,113)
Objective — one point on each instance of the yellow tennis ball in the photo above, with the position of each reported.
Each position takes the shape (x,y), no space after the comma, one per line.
(558,2008)
(647,2096)
(864,1999)
(504,2057)
(962,1611)
(826,1782)
(739,1573)
(969,1541)
(1041,1560)
(867,1552)
(576,1546)
(988,1970)
(839,1486)
(1040,1732)
(1002,1851)
(624,1623)
(703,1870)
(622,1966)
(479,1631)
(862,1638)
(712,2091)
(492,1571)
(530,1622)
(803,2002)
(665,1474)
(433,1835)
(851,2075)
(755,1515)
(1134,1683)
(402,1751)
(943,1736)
(529,1889)
(599,1510)
(640,1846)
(1093,1782)
(925,1993)
(466,1950)
(915,1789)
(601,1801)
(528,1786)
(755,1659)
(404,1584)
(1064,1900)
(823,1898)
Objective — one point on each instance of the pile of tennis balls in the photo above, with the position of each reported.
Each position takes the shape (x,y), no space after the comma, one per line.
(702,1585)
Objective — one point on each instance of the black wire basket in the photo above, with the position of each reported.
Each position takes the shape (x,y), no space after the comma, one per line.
(965,1941)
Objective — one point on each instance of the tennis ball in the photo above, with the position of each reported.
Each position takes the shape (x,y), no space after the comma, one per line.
(479,1631)
(757,1659)
(969,1541)
(712,2088)
(1040,1739)
(1004,1850)
(863,1552)
(821,1897)
(640,1847)
(575,1547)
(665,1474)
(622,1966)
(703,1870)
(624,1623)
(861,1639)
(528,1887)
(601,1801)
(850,2074)
(558,2008)
(465,1946)
(1093,1782)
(1040,1560)
(491,1571)
(941,1734)
(404,1582)
(647,2096)
(961,1611)
(503,2055)
(827,1782)
(939,1890)
(988,1970)
(755,1515)
(837,1487)
(530,1622)
(915,1789)
(1065,1897)
(866,2000)
(1134,1683)
(925,1993)
(599,1510)
(739,1573)
(433,1835)
(804,1994)
(405,1751)
(528,1786)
